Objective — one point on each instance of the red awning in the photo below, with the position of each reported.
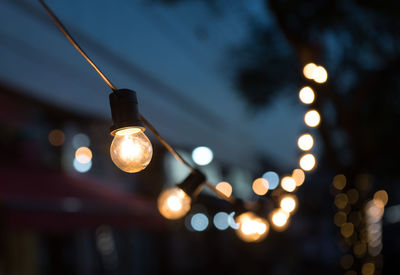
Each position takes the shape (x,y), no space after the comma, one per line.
(54,201)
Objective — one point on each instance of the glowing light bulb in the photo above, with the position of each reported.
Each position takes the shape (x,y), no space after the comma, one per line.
(305,142)
(173,203)
(131,150)
(319,74)
(288,203)
(251,227)
(298,176)
(308,70)
(312,118)
(202,155)
(306,95)
(288,184)
(307,162)
(83,155)
(280,218)
(225,188)
(260,186)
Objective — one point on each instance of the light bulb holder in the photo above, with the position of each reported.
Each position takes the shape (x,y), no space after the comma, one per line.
(124,110)
(192,182)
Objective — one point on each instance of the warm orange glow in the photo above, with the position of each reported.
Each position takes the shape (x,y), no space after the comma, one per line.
(339,181)
(288,184)
(225,188)
(347,229)
(305,142)
(306,95)
(260,186)
(173,203)
(279,219)
(341,200)
(251,227)
(368,269)
(312,118)
(308,70)
(131,150)
(381,198)
(298,176)
(320,75)
(83,155)
(307,162)
(56,137)
(288,203)
(340,218)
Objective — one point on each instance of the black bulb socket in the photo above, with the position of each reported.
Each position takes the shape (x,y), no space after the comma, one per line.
(124,111)
(192,182)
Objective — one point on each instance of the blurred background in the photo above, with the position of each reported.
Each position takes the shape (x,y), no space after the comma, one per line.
(216,74)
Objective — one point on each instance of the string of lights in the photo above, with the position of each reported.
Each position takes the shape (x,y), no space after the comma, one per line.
(131,151)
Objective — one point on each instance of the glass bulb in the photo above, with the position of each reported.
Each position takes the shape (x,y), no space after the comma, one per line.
(251,227)
(173,203)
(131,150)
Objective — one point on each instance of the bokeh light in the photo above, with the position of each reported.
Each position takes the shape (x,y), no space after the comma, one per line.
(340,218)
(381,198)
(173,203)
(221,220)
(307,162)
(368,269)
(288,203)
(231,220)
(199,222)
(339,182)
(202,155)
(225,188)
(279,219)
(272,178)
(312,118)
(298,176)
(56,137)
(288,184)
(260,186)
(347,229)
(306,95)
(80,140)
(251,227)
(305,142)
(320,75)
(308,70)
(83,155)
(352,195)
(341,200)
(82,167)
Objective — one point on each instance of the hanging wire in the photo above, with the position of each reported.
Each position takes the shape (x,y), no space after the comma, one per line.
(64,31)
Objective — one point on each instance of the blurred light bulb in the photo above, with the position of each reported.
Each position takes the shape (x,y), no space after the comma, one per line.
(312,118)
(251,227)
(173,203)
(298,176)
(307,162)
(83,155)
(202,155)
(131,150)
(279,218)
(288,203)
(260,186)
(225,188)
(319,74)
(288,184)
(308,70)
(306,95)
(305,142)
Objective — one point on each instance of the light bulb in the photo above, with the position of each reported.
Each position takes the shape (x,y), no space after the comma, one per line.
(131,150)
(288,203)
(251,227)
(173,203)
(279,219)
